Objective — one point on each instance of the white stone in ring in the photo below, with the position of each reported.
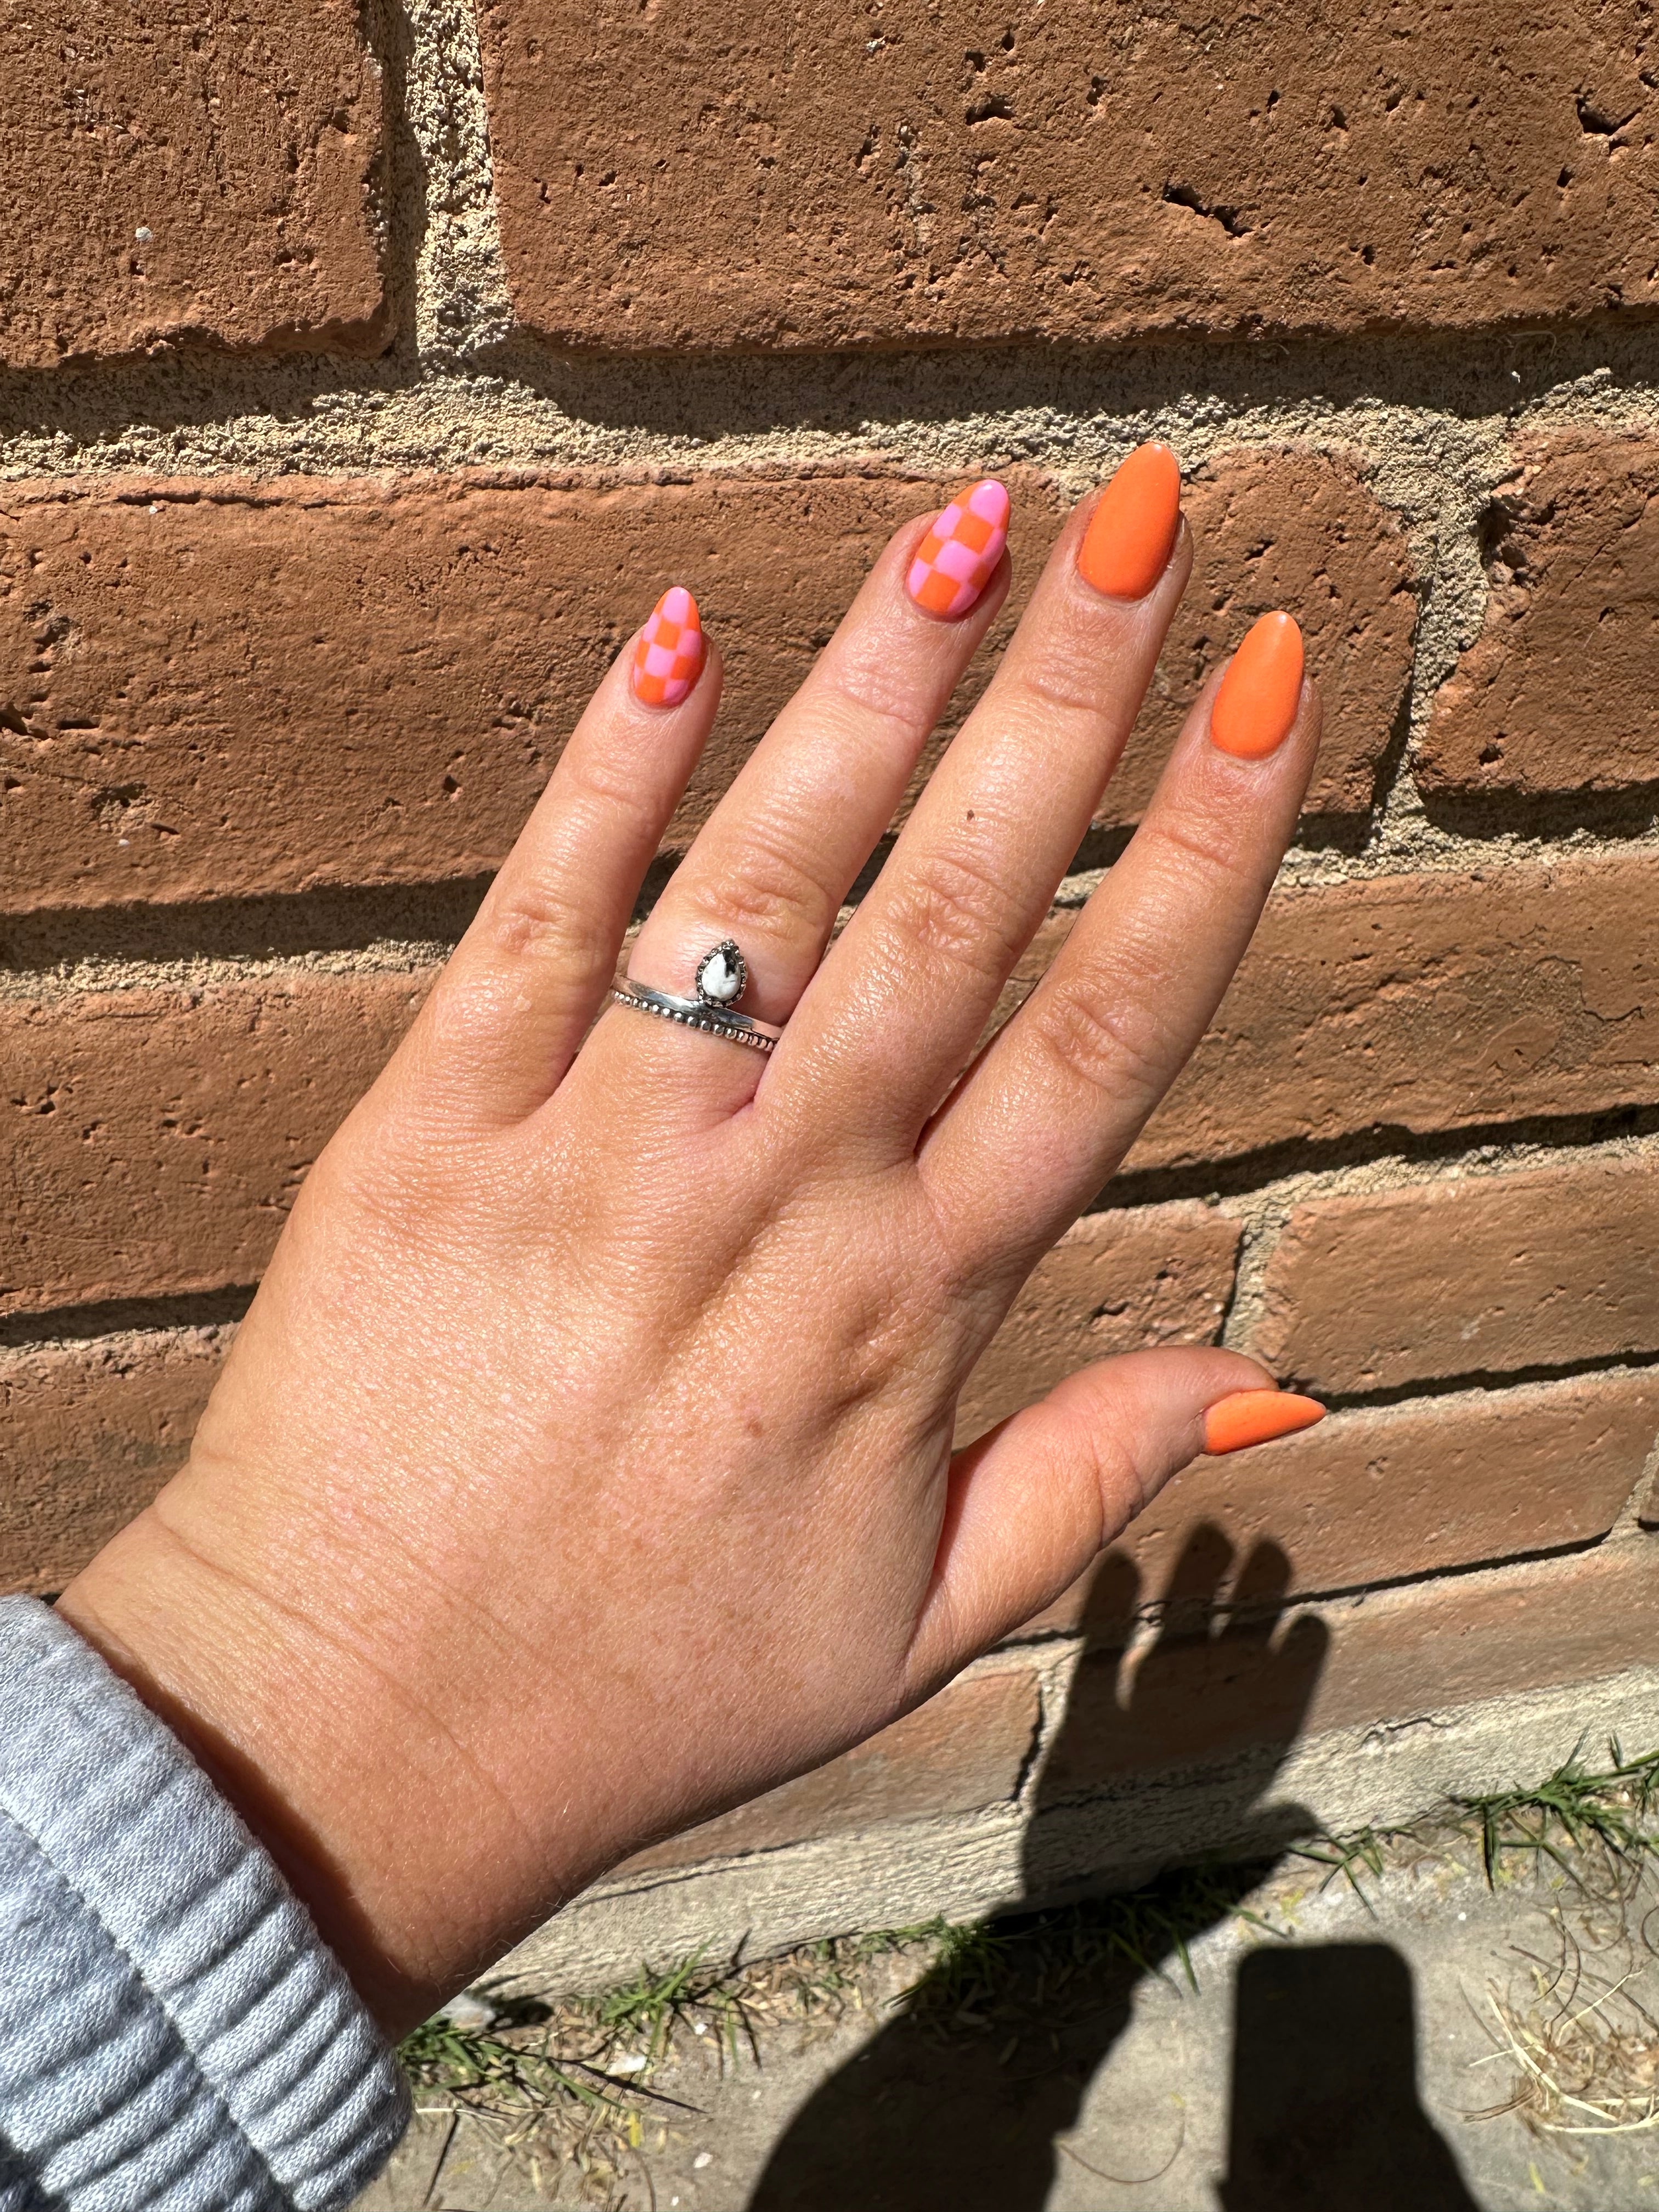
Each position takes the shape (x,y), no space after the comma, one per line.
(721,974)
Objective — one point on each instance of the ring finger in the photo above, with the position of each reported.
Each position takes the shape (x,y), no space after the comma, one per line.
(773,865)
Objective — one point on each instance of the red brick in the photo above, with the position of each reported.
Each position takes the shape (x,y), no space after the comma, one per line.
(1419,1002)
(963,1750)
(1471,1277)
(158,1134)
(1555,694)
(1379,1495)
(1064,174)
(175,179)
(157,1137)
(1398,1656)
(1284,528)
(1159,1274)
(162,737)
(92,1431)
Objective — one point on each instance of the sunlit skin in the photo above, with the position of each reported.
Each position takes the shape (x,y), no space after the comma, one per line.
(584,1465)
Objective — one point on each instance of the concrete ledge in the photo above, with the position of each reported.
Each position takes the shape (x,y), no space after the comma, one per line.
(996,1861)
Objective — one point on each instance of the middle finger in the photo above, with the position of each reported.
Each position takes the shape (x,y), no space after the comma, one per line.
(895,1015)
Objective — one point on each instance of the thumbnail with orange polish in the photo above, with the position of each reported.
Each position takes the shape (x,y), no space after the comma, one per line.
(958,557)
(1255,708)
(668,658)
(1256,1417)
(1132,532)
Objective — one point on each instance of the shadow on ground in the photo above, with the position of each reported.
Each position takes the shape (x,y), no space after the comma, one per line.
(967,2098)
(1325,2107)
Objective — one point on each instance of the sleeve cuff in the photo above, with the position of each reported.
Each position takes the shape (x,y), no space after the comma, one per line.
(173,2033)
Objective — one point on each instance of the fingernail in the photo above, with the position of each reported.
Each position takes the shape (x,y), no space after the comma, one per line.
(1256,1417)
(1132,532)
(958,557)
(1256,705)
(668,658)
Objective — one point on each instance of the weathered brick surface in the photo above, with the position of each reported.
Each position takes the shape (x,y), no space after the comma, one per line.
(1160,1274)
(174,178)
(1379,1495)
(1284,528)
(964,1749)
(1555,694)
(229,687)
(217,687)
(1397,1655)
(1471,1277)
(157,1137)
(1065,173)
(159,1133)
(92,1431)
(1420,1002)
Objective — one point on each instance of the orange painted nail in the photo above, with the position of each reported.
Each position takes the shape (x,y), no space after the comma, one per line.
(668,658)
(1256,705)
(1256,1417)
(1132,532)
(958,557)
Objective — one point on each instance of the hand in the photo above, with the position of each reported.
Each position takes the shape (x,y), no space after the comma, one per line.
(583,1467)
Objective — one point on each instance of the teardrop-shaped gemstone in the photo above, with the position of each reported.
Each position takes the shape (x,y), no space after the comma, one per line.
(720,978)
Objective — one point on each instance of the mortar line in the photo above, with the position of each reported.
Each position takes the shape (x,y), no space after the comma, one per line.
(1072,408)
(1148,1626)
(1491,1383)
(101,1326)
(385,923)
(1244,1175)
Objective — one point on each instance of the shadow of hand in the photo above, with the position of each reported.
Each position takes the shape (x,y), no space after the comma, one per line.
(960,2100)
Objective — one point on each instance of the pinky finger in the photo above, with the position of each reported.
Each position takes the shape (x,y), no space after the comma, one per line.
(516,1001)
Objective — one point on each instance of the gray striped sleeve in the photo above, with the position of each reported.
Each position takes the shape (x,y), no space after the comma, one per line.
(174,2033)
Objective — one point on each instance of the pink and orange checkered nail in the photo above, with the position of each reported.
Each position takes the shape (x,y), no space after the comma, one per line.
(958,557)
(668,658)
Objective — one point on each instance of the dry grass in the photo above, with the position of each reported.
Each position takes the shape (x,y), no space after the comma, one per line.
(1577,2030)
(1583,2043)
(570,2088)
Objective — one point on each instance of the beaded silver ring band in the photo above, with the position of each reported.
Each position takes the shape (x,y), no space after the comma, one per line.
(722,978)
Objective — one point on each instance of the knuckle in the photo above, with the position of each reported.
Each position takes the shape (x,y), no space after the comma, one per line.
(1062,682)
(1120,1481)
(1193,847)
(1101,1035)
(602,790)
(530,921)
(1099,1447)
(770,888)
(948,907)
(875,690)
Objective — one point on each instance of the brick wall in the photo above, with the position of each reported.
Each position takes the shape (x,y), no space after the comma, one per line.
(362,381)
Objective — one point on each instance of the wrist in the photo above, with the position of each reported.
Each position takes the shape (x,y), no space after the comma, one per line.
(297,1734)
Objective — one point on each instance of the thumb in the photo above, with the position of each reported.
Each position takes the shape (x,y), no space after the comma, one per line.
(1034,1500)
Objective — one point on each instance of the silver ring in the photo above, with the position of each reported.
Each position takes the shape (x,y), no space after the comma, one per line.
(722,978)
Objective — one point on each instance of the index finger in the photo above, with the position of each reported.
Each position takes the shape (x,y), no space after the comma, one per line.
(1048,1113)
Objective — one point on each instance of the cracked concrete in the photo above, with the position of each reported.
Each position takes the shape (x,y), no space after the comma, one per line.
(1330,2047)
